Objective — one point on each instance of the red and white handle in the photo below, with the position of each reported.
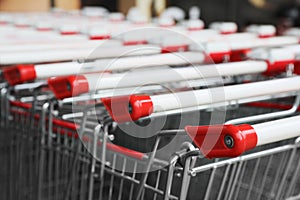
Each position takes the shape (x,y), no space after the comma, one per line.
(224,27)
(278,41)
(135,107)
(263,31)
(96,82)
(278,59)
(218,141)
(22,73)
(59,45)
(295,49)
(32,57)
(272,65)
(240,50)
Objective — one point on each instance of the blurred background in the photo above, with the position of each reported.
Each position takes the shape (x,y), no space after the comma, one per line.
(243,12)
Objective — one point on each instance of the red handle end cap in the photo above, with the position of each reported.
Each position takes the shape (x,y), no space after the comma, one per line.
(128,108)
(221,141)
(175,48)
(100,37)
(277,67)
(19,74)
(64,87)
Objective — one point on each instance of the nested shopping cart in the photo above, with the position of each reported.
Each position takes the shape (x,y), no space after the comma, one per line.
(270,173)
(183,178)
(59,166)
(43,149)
(227,151)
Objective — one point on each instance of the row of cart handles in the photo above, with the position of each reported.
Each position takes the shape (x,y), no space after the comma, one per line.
(134,107)
(215,50)
(215,141)
(87,83)
(191,25)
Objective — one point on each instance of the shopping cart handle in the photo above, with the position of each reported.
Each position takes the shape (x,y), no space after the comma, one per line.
(174,48)
(277,67)
(19,74)
(128,108)
(134,42)
(221,141)
(276,59)
(64,87)
(100,37)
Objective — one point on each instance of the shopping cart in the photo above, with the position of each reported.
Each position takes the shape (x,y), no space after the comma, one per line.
(270,173)
(59,166)
(37,147)
(180,183)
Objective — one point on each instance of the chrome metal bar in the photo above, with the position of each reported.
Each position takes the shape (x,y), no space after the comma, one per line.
(268,115)
(276,150)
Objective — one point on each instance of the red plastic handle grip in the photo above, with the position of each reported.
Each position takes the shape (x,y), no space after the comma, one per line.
(263,36)
(128,108)
(174,48)
(221,141)
(195,28)
(217,57)
(239,55)
(277,67)
(64,87)
(44,29)
(69,32)
(19,74)
(100,37)
(228,32)
(297,66)
(134,42)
